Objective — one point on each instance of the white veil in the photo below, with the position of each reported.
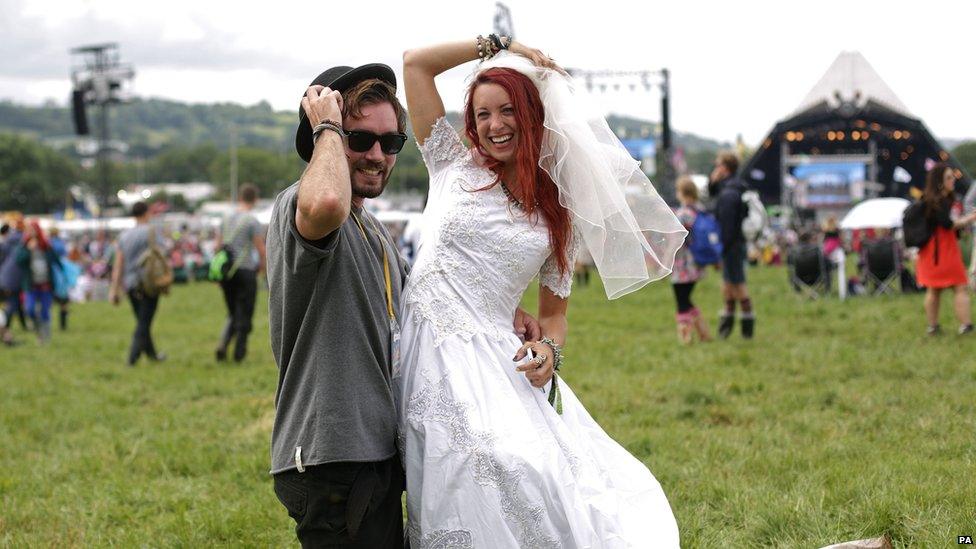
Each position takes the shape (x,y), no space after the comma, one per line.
(630,232)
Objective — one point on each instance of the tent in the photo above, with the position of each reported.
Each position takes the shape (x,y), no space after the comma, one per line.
(850,138)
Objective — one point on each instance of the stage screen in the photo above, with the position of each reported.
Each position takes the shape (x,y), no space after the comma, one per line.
(829,185)
(644,150)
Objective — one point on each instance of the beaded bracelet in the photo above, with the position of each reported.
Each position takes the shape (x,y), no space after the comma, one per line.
(557,352)
(482,48)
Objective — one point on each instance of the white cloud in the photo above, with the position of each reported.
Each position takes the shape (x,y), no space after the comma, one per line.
(737,67)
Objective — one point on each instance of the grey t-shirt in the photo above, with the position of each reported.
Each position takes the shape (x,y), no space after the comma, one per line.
(238,232)
(133,242)
(330,336)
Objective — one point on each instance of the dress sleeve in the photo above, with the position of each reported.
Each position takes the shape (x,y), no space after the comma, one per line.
(549,275)
(442,147)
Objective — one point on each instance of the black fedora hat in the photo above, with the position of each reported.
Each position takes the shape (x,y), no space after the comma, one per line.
(339,79)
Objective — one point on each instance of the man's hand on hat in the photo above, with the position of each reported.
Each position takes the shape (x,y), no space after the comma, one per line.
(321,104)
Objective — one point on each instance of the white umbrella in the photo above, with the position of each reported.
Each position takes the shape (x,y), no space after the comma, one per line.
(879,213)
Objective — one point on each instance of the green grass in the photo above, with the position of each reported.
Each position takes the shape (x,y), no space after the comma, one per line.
(839,421)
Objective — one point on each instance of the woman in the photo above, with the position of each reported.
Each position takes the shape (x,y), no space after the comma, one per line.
(686,272)
(495,454)
(831,236)
(940,263)
(37,260)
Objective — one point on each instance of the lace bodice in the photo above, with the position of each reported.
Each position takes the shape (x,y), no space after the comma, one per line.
(478,253)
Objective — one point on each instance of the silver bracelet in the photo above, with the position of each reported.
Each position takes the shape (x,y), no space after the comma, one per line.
(326,125)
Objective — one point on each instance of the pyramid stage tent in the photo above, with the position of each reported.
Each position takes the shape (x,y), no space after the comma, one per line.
(850,138)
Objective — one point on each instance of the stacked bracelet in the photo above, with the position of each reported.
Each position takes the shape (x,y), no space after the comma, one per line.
(499,43)
(557,352)
(326,125)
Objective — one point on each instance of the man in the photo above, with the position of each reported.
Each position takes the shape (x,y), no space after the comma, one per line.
(10,276)
(9,283)
(730,211)
(126,275)
(335,278)
(243,236)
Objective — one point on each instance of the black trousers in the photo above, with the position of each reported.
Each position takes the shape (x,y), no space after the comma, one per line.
(682,294)
(144,308)
(240,293)
(345,504)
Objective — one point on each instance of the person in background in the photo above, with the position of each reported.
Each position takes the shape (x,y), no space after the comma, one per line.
(7,247)
(831,236)
(126,275)
(244,236)
(10,276)
(686,272)
(61,249)
(940,265)
(731,211)
(968,207)
(37,261)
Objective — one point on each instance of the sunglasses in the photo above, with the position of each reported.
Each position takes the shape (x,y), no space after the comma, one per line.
(390,143)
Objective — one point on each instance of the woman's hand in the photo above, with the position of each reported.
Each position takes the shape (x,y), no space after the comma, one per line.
(526,326)
(536,56)
(539,370)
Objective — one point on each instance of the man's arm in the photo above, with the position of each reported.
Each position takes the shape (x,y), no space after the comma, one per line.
(114,294)
(324,191)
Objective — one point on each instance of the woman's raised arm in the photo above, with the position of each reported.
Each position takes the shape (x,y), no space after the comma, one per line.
(420,66)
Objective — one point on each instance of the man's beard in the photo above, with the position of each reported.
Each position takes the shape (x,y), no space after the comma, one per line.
(369,190)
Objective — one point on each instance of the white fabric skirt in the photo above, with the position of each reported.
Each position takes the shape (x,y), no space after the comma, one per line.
(490,464)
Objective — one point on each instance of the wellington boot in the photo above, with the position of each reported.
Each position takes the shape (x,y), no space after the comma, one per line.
(701,327)
(725,325)
(748,323)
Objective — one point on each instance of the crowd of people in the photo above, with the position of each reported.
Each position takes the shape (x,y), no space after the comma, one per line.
(43,272)
(716,238)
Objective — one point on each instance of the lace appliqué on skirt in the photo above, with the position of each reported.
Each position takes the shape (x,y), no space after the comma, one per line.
(435,403)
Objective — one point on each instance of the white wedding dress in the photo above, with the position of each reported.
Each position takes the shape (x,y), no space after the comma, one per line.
(489,462)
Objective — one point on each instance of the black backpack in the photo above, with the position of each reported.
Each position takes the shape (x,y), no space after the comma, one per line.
(915,225)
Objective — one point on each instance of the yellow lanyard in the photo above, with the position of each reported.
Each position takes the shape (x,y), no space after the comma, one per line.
(386,265)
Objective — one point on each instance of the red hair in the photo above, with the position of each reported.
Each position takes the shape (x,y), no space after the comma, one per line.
(42,241)
(539,192)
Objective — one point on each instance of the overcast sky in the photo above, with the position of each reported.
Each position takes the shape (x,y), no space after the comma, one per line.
(737,66)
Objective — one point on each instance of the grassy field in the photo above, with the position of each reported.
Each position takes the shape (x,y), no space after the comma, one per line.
(839,421)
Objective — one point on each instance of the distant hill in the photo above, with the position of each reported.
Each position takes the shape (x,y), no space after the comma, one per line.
(150,125)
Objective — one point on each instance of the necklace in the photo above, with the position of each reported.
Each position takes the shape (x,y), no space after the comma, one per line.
(511,197)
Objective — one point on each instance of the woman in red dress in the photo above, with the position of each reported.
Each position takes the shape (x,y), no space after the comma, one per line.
(940,263)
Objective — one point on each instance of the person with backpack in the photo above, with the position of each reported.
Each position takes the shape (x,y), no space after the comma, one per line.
(240,237)
(702,247)
(135,271)
(940,264)
(731,210)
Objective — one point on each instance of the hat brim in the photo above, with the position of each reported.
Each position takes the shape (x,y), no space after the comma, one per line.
(303,136)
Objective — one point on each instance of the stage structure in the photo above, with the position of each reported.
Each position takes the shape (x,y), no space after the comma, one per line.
(99,79)
(643,148)
(502,22)
(850,139)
